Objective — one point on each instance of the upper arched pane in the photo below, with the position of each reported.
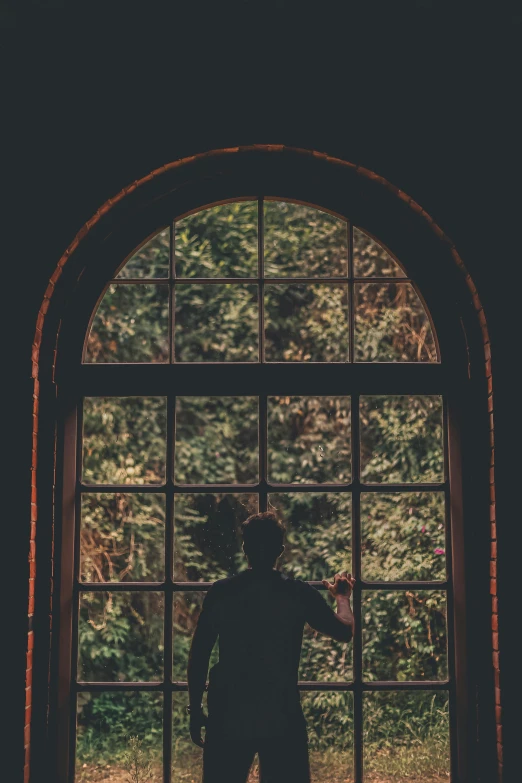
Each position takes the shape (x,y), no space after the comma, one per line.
(261,280)
(301,241)
(218,242)
(371,259)
(151,260)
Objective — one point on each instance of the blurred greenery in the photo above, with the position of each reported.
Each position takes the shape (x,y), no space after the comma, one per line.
(303,321)
(371,259)
(309,440)
(151,260)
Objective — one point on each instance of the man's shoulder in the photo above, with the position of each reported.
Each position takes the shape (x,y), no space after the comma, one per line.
(227,584)
(231,583)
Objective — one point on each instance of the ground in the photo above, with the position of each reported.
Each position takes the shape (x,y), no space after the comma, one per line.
(386,767)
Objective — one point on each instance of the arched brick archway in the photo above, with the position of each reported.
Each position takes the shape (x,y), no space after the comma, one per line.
(186,171)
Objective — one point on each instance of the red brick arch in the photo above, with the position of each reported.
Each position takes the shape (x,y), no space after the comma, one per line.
(35,357)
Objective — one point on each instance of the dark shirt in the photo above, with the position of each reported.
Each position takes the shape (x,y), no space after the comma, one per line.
(259,619)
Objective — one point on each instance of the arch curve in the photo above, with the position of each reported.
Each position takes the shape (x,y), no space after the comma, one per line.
(159,191)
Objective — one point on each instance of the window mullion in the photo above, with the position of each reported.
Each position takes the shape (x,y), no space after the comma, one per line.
(172,293)
(261,277)
(357,597)
(263,452)
(450,602)
(351,311)
(168,587)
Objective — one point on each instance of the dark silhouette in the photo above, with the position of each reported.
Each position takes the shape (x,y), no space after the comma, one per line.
(253,699)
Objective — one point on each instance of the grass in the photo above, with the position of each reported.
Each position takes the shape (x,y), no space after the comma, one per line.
(419,763)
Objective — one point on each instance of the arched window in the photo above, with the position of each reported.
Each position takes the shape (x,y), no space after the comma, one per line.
(259,353)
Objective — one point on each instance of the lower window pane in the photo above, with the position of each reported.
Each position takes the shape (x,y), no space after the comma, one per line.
(318,533)
(124,440)
(406,737)
(121,637)
(329,718)
(187,608)
(401,439)
(404,635)
(217,440)
(403,536)
(324,659)
(117,734)
(187,758)
(309,440)
(122,538)
(207,535)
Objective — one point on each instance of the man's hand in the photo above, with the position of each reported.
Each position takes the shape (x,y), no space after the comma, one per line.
(342,584)
(197,720)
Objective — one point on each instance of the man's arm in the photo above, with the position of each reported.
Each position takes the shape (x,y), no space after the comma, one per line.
(203,641)
(322,618)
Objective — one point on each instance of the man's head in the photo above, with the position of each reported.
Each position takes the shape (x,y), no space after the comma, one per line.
(263,536)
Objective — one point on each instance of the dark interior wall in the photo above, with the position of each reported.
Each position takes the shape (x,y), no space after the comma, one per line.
(424,97)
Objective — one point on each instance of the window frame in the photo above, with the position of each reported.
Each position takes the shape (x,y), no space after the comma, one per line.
(263,379)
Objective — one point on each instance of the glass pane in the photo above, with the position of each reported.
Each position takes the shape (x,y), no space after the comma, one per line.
(187,608)
(309,440)
(403,536)
(317,545)
(216,323)
(187,758)
(151,260)
(117,733)
(217,440)
(370,259)
(207,535)
(391,324)
(122,538)
(218,242)
(318,533)
(329,717)
(324,659)
(121,637)
(401,439)
(302,241)
(406,737)
(124,440)
(306,323)
(404,635)
(131,325)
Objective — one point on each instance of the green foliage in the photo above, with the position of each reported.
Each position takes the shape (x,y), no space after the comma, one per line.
(301,241)
(124,440)
(218,242)
(306,322)
(151,260)
(309,440)
(122,537)
(137,761)
(216,323)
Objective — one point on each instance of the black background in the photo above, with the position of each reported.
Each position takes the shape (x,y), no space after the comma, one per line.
(425,94)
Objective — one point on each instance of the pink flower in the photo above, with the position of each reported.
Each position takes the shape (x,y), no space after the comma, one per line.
(440,551)
(423,529)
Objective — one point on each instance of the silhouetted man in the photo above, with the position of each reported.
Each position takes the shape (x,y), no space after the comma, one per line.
(253,699)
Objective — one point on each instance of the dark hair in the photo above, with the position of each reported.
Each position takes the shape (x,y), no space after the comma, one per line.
(263,536)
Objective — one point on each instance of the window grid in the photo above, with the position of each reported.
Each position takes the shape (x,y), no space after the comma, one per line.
(170,488)
(263,488)
(347,281)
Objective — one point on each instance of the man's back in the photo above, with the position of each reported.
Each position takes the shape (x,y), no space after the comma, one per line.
(259,619)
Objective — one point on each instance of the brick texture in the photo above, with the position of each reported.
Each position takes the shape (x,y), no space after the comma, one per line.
(35,358)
